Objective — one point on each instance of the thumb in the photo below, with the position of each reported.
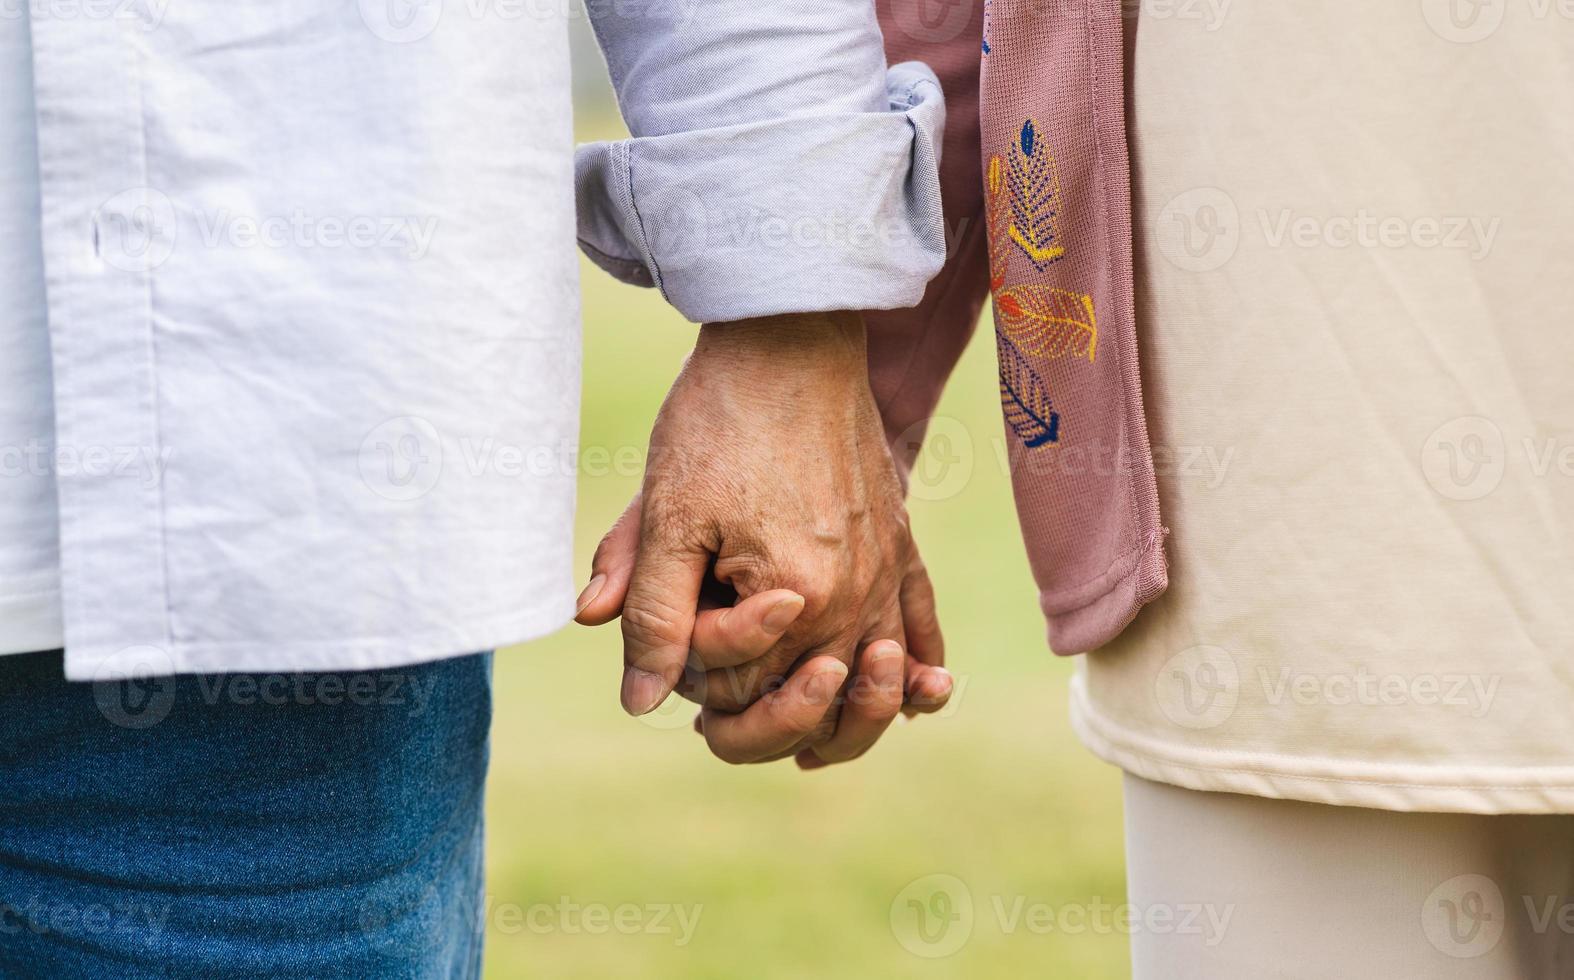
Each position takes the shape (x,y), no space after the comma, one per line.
(658,616)
(610,570)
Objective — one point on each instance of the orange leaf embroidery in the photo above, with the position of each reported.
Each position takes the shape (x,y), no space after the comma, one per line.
(1048,321)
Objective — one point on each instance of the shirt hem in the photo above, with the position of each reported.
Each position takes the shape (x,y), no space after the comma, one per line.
(99,664)
(1336,782)
(30,621)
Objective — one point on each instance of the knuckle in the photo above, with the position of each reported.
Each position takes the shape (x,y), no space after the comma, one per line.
(745,569)
(901,526)
(650,622)
(676,519)
(819,595)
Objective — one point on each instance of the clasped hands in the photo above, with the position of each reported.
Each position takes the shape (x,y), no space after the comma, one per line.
(766,570)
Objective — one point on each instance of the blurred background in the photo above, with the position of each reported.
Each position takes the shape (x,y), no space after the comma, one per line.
(984,842)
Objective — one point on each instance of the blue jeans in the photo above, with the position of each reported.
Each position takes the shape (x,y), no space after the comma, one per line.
(243,825)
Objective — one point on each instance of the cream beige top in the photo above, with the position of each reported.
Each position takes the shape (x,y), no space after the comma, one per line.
(1354,295)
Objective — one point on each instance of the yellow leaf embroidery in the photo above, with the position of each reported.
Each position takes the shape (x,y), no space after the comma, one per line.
(1048,321)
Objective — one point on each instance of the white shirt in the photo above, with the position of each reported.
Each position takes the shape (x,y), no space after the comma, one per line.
(310,285)
(29,552)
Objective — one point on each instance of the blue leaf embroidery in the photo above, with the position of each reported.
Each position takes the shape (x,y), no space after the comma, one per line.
(1024,399)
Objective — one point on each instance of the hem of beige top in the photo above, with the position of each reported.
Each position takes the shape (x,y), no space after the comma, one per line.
(1336,782)
(348,654)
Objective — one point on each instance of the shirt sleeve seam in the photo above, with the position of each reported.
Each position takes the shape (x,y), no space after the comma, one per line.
(625,157)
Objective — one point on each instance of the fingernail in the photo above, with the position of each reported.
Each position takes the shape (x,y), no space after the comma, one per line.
(782,615)
(937,687)
(642,691)
(589,595)
(823,687)
(885,650)
(885,664)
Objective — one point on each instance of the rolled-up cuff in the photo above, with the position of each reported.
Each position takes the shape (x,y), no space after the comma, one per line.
(796,215)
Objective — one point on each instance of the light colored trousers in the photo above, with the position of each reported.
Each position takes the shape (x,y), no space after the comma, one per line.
(1254,888)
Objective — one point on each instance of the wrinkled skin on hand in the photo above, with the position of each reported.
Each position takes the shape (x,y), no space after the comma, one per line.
(771,541)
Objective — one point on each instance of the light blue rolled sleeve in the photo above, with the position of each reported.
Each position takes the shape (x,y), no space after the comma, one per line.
(776,164)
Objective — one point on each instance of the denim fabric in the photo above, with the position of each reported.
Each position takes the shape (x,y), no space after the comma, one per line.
(242,825)
(776,165)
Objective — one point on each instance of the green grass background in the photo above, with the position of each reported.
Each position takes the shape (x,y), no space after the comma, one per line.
(794,873)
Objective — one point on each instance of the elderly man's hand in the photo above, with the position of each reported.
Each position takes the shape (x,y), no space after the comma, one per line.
(770,547)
